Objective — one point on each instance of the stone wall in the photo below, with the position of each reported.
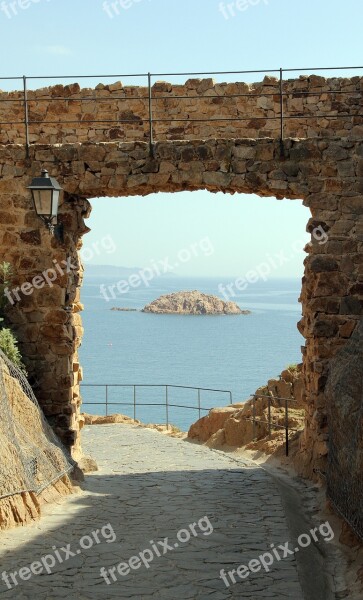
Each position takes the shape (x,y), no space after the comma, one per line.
(326,173)
(102,155)
(68,114)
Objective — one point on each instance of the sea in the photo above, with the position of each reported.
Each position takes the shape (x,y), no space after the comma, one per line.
(232,355)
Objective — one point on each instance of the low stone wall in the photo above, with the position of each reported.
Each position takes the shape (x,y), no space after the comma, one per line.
(319,107)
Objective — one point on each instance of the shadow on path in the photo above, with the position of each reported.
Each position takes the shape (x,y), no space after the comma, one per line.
(236,512)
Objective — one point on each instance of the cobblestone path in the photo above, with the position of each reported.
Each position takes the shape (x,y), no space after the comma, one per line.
(215,513)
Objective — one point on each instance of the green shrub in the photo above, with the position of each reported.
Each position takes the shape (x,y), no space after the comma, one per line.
(9,345)
(6,275)
(8,341)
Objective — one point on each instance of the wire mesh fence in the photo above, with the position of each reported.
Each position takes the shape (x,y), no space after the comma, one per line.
(32,456)
(345,491)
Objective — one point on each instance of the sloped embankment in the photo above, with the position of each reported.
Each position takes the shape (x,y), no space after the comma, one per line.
(34,466)
(232,426)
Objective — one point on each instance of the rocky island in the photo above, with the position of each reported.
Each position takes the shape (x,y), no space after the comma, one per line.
(193,303)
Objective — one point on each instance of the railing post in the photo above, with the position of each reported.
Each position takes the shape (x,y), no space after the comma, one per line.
(254,417)
(151,137)
(26,116)
(199,412)
(230,398)
(282,150)
(134,402)
(287,425)
(106,400)
(167,406)
(269,417)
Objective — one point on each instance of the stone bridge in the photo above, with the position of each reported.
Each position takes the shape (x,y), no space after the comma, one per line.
(321,164)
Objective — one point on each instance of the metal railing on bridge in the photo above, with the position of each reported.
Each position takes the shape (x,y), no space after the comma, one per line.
(151,99)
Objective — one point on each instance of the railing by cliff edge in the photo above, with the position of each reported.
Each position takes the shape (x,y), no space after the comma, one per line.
(168,404)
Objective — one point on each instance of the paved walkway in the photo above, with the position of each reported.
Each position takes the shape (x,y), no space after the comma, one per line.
(151,487)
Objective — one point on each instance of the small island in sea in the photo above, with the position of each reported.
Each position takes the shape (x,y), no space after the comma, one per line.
(193,303)
(122,309)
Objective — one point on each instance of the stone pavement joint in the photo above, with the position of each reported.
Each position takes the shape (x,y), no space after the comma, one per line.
(149,487)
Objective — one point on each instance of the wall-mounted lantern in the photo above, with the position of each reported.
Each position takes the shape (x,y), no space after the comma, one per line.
(46,191)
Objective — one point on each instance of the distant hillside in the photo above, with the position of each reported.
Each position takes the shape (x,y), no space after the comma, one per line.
(117,272)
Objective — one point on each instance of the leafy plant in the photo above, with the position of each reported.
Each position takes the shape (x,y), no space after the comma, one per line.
(9,345)
(8,341)
(292,367)
(6,275)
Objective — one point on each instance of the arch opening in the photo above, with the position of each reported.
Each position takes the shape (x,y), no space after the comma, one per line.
(247,250)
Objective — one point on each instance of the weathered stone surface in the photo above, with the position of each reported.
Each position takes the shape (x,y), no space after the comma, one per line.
(233,426)
(107,419)
(87,464)
(205,427)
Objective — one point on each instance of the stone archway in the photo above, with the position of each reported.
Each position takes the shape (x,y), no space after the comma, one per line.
(324,173)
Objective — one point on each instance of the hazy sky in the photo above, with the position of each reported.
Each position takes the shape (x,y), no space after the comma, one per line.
(76,37)
(239,232)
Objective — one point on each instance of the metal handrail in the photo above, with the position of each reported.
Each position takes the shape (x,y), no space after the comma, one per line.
(255,421)
(269,422)
(345,68)
(152,97)
(166,403)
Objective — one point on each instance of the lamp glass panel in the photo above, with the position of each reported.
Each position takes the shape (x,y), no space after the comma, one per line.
(43,202)
(55,203)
